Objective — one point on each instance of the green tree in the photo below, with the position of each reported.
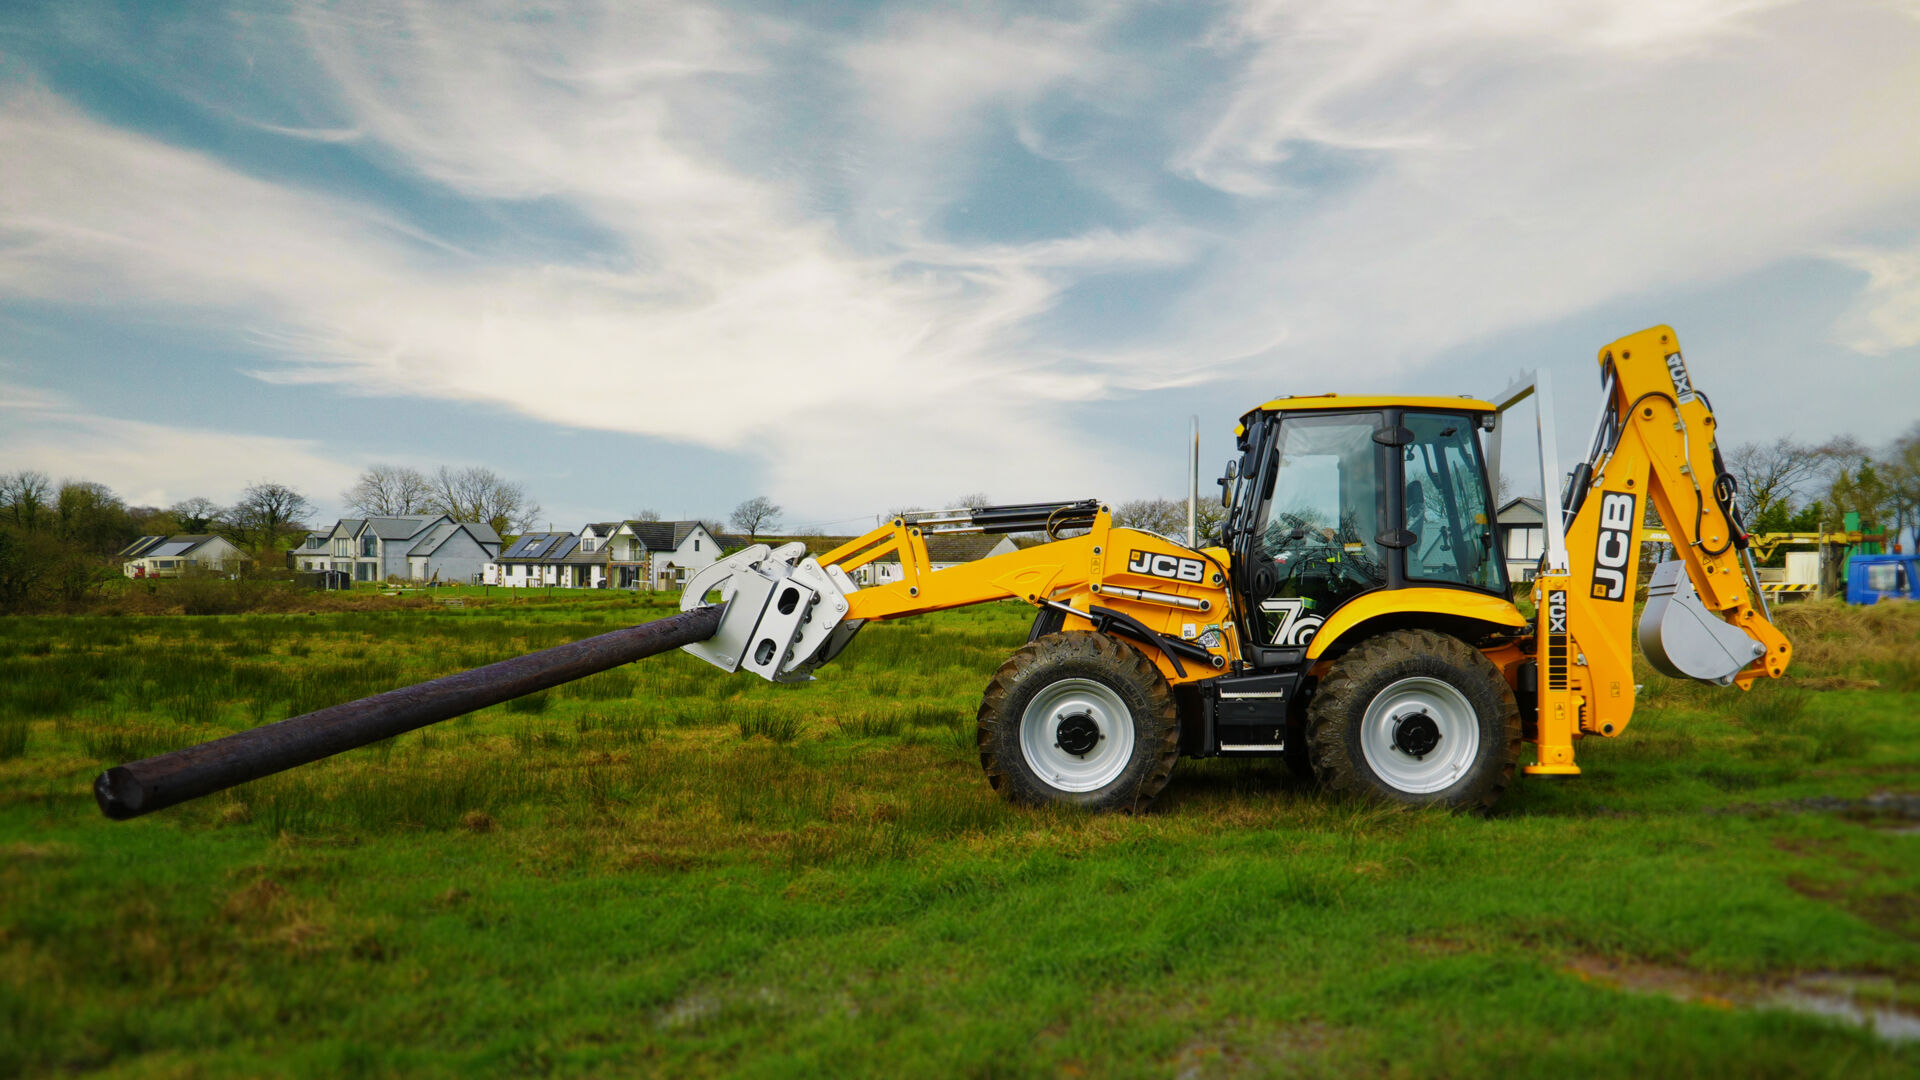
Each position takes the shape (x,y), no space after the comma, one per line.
(265,515)
(196,515)
(92,518)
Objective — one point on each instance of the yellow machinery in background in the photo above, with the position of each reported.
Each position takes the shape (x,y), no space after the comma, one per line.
(1352,617)
(1821,575)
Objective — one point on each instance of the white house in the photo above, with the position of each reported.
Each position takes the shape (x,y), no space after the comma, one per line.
(1522,525)
(943,551)
(409,547)
(546,558)
(657,554)
(171,556)
(607,554)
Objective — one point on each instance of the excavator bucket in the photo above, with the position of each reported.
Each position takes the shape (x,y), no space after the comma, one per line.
(1683,639)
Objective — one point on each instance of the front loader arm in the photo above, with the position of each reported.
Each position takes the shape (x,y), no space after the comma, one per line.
(788,614)
(1705,617)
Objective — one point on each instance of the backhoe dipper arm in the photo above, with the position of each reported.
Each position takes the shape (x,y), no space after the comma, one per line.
(788,614)
(1705,618)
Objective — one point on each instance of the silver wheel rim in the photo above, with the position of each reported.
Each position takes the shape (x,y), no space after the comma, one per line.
(1072,703)
(1452,715)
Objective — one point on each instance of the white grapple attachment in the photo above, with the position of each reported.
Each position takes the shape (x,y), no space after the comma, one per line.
(785,613)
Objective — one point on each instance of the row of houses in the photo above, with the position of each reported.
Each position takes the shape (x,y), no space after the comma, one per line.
(406,547)
(604,554)
(664,554)
(607,554)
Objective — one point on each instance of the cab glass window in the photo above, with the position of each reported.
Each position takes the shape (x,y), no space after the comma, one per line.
(1319,520)
(1445,497)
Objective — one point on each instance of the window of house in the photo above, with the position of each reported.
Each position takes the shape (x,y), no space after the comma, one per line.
(1526,542)
(696,543)
(369,544)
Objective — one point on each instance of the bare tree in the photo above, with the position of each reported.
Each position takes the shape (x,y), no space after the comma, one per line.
(977,499)
(1168,517)
(1771,475)
(645,514)
(480,494)
(196,515)
(266,514)
(1901,473)
(26,496)
(754,515)
(388,489)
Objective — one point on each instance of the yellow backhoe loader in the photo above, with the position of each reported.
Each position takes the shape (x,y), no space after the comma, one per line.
(1353,617)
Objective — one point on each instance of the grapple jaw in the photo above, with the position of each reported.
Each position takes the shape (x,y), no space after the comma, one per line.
(785,614)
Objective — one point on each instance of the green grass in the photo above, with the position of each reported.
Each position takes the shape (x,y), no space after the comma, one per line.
(664,870)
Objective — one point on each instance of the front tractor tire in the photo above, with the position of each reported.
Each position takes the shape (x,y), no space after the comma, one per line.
(1418,718)
(1079,719)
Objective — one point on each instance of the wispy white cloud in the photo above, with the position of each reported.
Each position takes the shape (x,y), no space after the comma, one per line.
(741,323)
(1521,163)
(793,295)
(156,464)
(1886,317)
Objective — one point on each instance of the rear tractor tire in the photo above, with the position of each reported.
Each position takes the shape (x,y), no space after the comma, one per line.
(1079,719)
(1418,718)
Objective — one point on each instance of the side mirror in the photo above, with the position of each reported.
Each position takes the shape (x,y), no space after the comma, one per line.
(1226,482)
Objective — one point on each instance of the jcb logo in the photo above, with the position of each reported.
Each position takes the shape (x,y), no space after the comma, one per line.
(1171,567)
(1615,546)
(1556,612)
(1682,385)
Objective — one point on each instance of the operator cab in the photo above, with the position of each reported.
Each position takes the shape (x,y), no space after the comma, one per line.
(1335,498)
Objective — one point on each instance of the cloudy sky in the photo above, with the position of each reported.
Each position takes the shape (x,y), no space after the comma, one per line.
(673,255)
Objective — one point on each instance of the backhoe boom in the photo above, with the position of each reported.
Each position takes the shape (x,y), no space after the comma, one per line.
(1704,618)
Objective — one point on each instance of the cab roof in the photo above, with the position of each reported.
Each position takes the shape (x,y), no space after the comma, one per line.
(1367,401)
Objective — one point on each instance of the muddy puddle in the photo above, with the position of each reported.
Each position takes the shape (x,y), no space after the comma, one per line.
(1864,1001)
(1893,811)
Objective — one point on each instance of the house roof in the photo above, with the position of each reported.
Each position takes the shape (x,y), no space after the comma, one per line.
(437,537)
(402,526)
(541,547)
(964,547)
(816,545)
(661,535)
(141,547)
(433,538)
(171,547)
(941,548)
(1522,511)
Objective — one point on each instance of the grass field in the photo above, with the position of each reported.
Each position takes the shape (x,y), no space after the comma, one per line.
(664,870)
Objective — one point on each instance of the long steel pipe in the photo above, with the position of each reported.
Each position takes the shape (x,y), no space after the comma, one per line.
(141,787)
